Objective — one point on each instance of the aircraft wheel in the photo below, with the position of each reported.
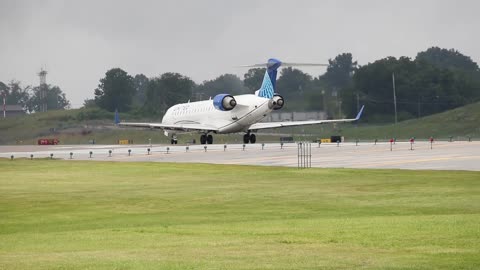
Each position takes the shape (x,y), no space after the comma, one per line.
(209,139)
(203,139)
(253,138)
(246,138)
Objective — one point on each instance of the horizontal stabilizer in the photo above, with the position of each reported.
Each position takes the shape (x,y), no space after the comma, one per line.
(304,65)
(284,64)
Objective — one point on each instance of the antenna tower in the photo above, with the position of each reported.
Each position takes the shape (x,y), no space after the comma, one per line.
(43,90)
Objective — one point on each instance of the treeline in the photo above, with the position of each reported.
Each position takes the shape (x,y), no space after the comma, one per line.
(435,81)
(31,99)
(143,96)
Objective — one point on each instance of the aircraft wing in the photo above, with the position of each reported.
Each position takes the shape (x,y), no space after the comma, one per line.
(266,125)
(187,127)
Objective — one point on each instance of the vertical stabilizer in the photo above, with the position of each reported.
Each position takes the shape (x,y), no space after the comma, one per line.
(117,118)
(270,79)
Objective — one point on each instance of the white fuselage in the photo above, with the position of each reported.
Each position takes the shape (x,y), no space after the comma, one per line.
(250,109)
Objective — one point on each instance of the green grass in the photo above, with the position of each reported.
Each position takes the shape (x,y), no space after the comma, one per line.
(26,129)
(100,215)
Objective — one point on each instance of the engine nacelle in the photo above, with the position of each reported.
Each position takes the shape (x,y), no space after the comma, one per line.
(224,102)
(278,102)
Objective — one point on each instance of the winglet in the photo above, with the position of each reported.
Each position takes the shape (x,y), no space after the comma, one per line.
(359,113)
(117,118)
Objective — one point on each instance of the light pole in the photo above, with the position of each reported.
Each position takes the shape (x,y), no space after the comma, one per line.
(324,101)
(324,97)
(394,97)
(4,104)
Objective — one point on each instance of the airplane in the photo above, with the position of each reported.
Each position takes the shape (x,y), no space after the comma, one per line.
(231,114)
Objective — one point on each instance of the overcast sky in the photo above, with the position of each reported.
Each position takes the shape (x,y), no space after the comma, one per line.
(78,41)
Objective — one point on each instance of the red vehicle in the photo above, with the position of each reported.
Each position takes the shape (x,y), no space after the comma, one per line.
(48,141)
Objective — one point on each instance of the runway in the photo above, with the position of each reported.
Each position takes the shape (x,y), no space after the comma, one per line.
(443,156)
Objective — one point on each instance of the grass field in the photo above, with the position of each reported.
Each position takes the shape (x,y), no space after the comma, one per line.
(99,215)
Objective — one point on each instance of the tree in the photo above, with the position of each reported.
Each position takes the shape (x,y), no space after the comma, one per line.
(115,91)
(464,69)
(340,71)
(3,87)
(447,59)
(55,100)
(226,83)
(168,90)
(318,97)
(334,84)
(140,83)
(294,85)
(89,103)
(253,78)
(421,89)
(293,82)
(16,94)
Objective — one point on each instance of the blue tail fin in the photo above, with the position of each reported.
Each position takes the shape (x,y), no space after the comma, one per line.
(270,79)
(117,118)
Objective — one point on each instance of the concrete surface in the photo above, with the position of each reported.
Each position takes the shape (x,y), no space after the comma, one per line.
(443,156)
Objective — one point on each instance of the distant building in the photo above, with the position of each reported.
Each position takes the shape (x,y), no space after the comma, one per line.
(295,116)
(13,111)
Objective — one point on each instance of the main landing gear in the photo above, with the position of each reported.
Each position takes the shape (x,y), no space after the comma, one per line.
(206,139)
(249,138)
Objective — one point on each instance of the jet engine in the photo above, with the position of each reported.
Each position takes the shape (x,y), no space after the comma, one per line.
(278,102)
(224,102)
